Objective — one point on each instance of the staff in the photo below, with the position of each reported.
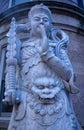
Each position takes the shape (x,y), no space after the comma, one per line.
(11,62)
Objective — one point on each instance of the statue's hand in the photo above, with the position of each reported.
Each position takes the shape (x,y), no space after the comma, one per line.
(44,39)
(11,97)
(42,31)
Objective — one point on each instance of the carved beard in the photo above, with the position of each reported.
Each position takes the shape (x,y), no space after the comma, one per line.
(44,106)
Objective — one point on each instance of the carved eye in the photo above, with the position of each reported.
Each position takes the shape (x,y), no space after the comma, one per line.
(51,86)
(40,86)
(36,18)
(45,19)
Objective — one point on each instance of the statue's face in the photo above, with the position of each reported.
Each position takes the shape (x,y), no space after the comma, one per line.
(45,88)
(38,19)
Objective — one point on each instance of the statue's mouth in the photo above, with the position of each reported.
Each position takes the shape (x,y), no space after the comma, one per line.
(47,96)
(47,100)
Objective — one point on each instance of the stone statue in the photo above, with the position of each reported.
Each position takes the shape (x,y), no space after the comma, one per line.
(39,76)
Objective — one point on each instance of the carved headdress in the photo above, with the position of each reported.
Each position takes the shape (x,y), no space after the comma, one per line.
(40,8)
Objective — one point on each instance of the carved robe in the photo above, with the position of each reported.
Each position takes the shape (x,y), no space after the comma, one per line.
(34,112)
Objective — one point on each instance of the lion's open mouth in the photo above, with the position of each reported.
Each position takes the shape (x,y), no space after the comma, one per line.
(47,100)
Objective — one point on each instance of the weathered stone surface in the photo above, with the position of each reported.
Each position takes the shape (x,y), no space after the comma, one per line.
(39,76)
(76,39)
(76,54)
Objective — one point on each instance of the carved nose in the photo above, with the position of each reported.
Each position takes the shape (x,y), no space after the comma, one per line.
(42,23)
(46,91)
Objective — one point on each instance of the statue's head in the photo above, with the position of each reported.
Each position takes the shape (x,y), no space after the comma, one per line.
(39,9)
(39,14)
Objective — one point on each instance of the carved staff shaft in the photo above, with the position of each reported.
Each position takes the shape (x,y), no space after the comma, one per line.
(11,63)
(11,55)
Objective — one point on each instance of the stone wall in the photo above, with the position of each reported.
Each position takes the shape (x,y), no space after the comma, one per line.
(76,54)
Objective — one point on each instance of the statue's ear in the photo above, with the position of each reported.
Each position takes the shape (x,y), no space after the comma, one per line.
(28,25)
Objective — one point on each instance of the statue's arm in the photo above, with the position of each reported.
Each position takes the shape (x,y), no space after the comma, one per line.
(64,57)
(57,65)
(62,67)
(53,61)
(70,86)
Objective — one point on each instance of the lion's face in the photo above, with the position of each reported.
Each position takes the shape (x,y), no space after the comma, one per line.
(45,88)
